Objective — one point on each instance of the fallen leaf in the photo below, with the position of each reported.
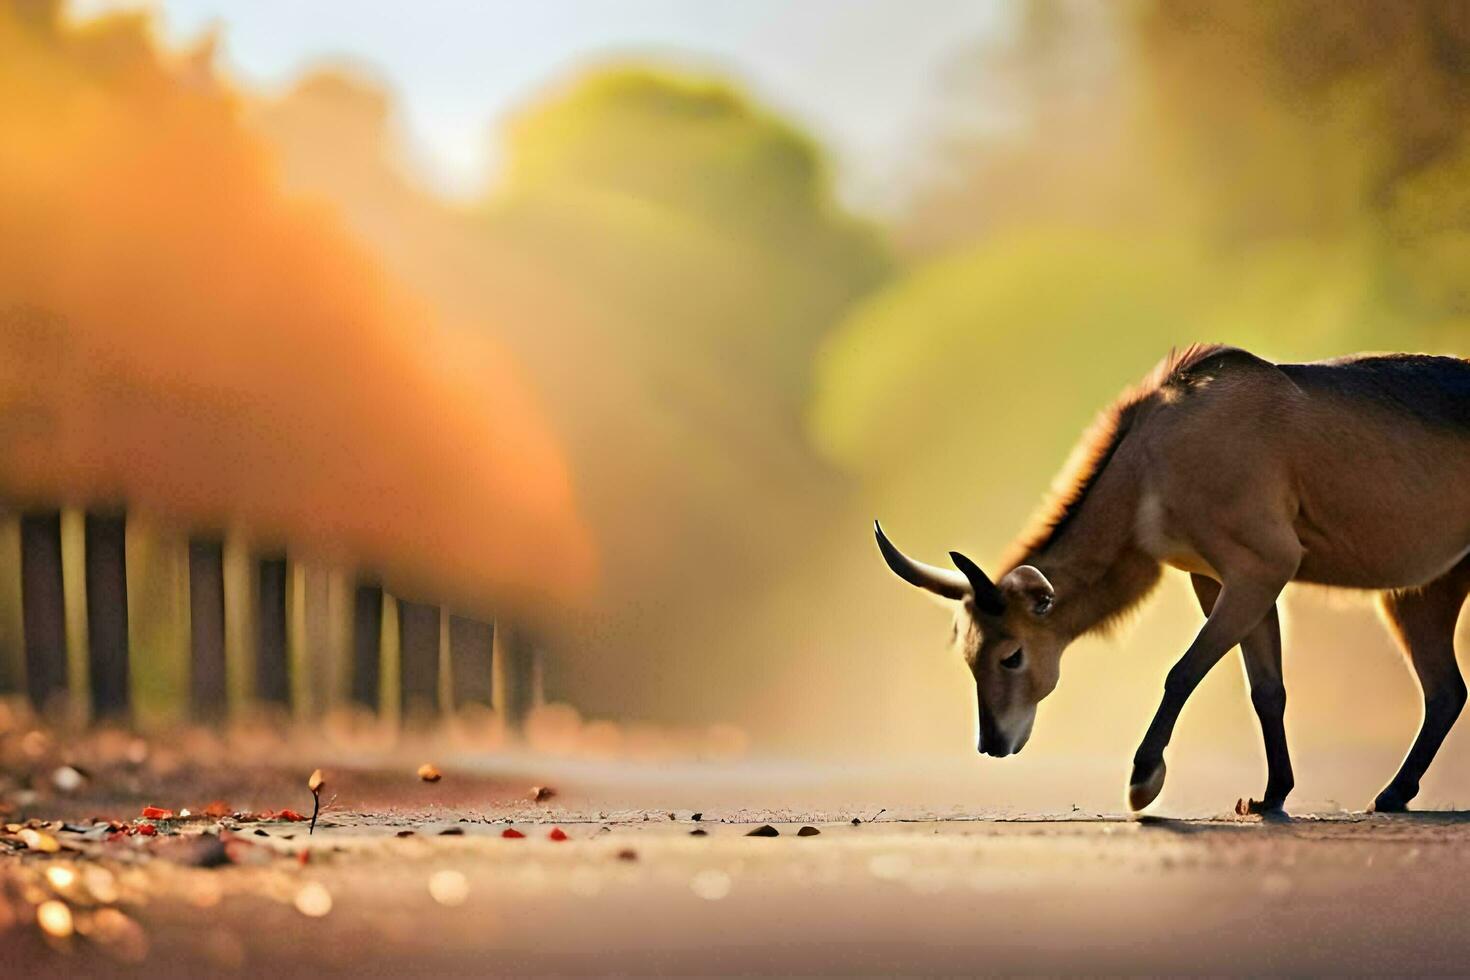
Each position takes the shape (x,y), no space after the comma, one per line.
(429,774)
(39,841)
(157,813)
(404,833)
(764,830)
(808,832)
(217,809)
(452,832)
(557,834)
(147,829)
(510,833)
(290,815)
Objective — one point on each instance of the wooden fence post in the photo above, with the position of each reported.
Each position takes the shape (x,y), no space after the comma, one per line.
(107,613)
(516,688)
(418,639)
(208,686)
(470,651)
(272,683)
(12,628)
(367,645)
(43,605)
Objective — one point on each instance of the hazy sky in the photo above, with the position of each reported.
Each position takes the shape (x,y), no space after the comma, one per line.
(859,73)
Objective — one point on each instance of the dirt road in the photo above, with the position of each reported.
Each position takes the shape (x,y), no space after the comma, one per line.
(639,893)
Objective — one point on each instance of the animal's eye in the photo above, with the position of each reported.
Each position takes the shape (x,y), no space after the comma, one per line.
(1013,662)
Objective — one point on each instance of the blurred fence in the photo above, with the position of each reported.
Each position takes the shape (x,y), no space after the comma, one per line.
(108,616)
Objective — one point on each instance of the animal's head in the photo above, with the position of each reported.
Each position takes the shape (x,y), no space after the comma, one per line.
(1007,636)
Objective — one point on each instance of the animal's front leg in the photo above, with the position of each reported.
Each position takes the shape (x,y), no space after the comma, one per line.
(1260,651)
(1244,601)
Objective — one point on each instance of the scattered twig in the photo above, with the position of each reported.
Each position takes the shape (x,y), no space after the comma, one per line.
(315,784)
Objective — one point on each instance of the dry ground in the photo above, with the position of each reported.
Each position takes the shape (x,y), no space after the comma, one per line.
(634,891)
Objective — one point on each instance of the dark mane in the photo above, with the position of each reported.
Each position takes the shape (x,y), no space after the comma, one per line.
(1099,444)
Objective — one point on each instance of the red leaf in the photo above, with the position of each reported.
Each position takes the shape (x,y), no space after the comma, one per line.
(217,809)
(156,813)
(557,834)
(511,833)
(289,815)
(147,829)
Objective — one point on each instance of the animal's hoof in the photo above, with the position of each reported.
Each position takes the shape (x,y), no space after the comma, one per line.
(1145,785)
(1389,802)
(1264,808)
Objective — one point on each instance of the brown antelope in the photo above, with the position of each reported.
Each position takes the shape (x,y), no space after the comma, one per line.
(1248,475)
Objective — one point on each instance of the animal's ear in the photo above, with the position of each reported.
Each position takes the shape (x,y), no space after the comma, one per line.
(1027,586)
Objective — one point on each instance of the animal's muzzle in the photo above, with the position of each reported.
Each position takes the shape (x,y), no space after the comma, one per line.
(992,742)
(997,744)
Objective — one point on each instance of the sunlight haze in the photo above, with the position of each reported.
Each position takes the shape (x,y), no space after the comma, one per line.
(858,73)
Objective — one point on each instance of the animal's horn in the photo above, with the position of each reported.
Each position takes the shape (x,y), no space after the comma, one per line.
(988,598)
(940,581)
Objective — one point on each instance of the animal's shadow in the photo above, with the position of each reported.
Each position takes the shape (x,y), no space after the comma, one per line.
(1175,825)
(1426,816)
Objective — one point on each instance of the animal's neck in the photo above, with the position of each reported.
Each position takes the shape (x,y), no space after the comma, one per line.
(1096,566)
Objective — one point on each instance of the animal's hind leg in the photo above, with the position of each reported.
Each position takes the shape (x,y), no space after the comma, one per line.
(1261,653)
(1424,622)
